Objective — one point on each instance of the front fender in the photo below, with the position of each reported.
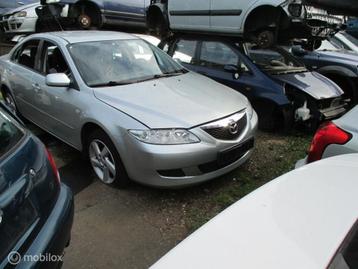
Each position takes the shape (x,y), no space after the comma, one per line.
(337,70)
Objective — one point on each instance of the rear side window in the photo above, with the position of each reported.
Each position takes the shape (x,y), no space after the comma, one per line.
(185,51)
(217,55)
(26,56)
(10,133)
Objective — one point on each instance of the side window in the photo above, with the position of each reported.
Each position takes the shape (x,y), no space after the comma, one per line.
(26,56)
(53,60)
(217,55)
(10,134)
(185,51)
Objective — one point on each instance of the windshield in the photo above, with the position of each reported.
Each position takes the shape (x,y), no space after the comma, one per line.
(350,38)
(121,62)
(274,60)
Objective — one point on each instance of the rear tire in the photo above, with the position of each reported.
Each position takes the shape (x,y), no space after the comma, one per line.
(105,160)
(89,18)
(10,102)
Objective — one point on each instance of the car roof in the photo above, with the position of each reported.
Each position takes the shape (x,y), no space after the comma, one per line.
(87,36)
(298,220)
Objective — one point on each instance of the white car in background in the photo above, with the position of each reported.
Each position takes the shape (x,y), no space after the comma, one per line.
(21,20)
(306,219)
(334,138)
(343,40)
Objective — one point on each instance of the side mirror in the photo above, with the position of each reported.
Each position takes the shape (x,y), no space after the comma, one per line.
(298,51)
(58,80)
(231,68)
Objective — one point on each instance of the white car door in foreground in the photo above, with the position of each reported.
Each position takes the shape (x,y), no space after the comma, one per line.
(304,219)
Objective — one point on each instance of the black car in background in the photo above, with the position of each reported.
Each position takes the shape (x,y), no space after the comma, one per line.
(36,209)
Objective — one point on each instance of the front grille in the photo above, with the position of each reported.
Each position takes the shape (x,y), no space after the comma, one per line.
(231,128)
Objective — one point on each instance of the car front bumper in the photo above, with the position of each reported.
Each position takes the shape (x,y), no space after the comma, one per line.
(14,25)
(174,166)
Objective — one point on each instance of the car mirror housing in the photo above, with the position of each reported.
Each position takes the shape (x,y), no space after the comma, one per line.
(298,51)
(231,68)
(58,80)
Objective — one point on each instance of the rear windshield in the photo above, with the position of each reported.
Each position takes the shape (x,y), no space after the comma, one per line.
(10,133)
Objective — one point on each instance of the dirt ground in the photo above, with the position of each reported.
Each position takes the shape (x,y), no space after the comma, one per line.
(133,228)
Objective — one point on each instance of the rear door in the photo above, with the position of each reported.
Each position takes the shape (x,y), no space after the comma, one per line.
(189,14)
(227,15)
(21,71)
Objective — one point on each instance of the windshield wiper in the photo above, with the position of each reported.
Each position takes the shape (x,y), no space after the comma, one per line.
(112,83)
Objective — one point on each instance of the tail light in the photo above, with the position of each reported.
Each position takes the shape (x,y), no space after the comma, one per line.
(53,166)
(327,134)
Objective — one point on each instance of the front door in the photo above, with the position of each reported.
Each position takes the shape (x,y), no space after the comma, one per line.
(57,104)
(228,15)
(125,10)
(189,14)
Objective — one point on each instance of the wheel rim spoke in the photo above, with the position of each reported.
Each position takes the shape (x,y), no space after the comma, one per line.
(111,167)
(102,161)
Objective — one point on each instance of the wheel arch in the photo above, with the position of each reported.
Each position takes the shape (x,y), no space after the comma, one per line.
(156,14)
(261,11)
(337,70)
(89,127)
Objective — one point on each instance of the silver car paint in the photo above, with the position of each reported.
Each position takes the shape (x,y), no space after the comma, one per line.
(64,112)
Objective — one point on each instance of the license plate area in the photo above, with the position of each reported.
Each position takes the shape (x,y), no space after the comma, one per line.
(233,154)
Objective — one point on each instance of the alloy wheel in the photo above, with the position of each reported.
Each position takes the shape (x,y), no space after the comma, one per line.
(10,102)
(102,161)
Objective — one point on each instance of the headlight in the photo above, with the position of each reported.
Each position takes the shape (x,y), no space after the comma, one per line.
(21,14)
(250,110)
(165,136)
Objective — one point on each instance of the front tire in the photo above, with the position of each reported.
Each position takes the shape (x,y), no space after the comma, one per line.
(89,18)
(105,160)
(10,102)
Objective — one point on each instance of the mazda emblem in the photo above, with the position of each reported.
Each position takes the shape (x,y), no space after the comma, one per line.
(233,127)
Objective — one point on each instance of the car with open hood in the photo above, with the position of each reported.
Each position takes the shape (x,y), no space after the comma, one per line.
(334,62)
(132,110)
(281,89)
(264,22)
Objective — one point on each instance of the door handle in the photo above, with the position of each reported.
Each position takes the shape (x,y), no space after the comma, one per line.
(36,87)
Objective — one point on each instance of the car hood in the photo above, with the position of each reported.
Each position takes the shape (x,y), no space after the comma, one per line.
(312,83)
(342,55)
(18,9)
(177,102)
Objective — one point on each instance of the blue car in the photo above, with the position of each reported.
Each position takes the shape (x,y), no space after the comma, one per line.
(36,209)
(97,13)
(279,87)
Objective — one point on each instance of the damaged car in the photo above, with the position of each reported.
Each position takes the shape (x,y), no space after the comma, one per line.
(281,89)
(264,22)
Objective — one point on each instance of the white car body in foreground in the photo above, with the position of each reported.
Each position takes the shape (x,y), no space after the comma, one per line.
(298,220)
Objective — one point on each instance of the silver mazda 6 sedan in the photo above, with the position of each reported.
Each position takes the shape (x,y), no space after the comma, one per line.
(129,107)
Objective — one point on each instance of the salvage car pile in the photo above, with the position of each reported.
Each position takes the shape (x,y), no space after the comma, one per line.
(181,110)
